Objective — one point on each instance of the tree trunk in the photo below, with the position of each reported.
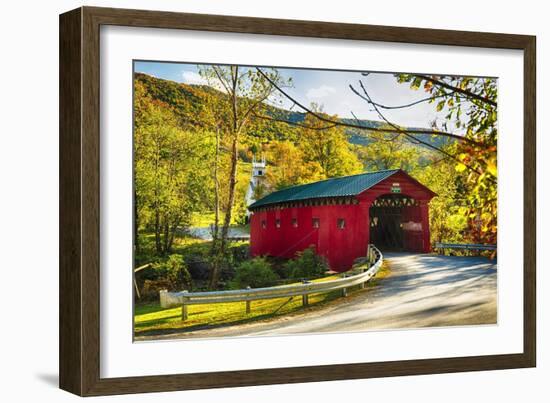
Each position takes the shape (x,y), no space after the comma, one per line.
(215,232)
(214,250)
(166,236)
(215,273)
(157,232)
(228,210)
(172,234)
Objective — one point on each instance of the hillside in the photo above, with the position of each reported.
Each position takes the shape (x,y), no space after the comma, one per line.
(188,102)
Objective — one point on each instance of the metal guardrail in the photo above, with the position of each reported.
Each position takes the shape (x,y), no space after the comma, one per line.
(362,272)
(465,246)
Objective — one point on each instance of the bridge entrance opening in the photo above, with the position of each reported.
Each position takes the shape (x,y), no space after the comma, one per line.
(395,223)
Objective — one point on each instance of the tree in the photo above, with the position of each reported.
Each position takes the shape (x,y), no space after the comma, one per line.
(471,106)
(244,92)
(289,166)
(329,148)
(389,151)
(169,186)
(448,219)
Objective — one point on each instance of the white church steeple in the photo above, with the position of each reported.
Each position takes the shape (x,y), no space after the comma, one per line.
(256,177)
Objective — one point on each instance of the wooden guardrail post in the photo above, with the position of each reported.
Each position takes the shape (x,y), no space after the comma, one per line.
(184,307)
(248,302)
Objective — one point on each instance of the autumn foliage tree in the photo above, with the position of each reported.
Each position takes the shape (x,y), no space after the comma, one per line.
(328,147)
(169,186)
(470,104)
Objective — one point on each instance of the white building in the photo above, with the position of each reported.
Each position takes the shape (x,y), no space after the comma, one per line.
(256,177)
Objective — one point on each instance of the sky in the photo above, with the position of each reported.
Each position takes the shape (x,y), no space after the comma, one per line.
(330,89)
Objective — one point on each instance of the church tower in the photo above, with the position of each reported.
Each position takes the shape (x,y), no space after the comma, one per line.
(256,178)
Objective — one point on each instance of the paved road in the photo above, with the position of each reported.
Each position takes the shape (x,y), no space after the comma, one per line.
(422,290)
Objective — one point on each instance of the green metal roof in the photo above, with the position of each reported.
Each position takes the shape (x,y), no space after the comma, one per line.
(334,187)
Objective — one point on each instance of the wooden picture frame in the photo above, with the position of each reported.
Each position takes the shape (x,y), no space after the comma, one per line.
(80,199)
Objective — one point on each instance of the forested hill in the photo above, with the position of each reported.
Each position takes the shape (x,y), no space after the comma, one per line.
(189,104)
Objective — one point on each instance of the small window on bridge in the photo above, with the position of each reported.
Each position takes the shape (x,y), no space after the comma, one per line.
(263,224)
(341,223)
(316,223)
(277,223)
(294,223)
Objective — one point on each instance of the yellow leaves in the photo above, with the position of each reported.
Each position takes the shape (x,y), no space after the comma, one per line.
(486,216)
(465,158)
(460,167)
(492,168)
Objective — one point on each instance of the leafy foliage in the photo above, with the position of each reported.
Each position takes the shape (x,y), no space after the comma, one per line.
(390,151)
(471,105)
(329,148)
(169,186)
(174,270)
(254,273)
(306,265)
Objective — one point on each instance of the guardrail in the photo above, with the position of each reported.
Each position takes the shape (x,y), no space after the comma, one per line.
(361,272)
(465,246)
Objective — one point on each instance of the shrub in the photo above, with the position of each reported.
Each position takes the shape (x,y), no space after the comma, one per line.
(174,270)
(307,264)
(239,251)
(198,266)
(151,288)
(254,273)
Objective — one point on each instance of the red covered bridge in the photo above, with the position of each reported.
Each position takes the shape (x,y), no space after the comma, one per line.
(339,217)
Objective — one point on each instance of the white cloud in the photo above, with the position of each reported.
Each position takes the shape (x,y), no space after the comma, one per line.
(190,77)
(320,92)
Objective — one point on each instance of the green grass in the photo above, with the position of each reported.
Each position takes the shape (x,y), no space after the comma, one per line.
(202,219)
(151,319)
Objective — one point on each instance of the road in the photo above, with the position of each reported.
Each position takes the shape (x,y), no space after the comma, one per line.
(421,291)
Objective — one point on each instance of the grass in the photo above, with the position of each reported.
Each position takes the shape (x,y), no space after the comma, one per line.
(202,219)
(151,319)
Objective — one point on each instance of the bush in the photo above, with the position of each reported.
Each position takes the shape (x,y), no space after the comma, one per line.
(254,273)
(239,251)
(307,264)
(174,270)
(151,288)
(198,266)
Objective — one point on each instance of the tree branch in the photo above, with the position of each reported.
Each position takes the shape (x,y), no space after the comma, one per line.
(374,129)
(368,99)
(388,140)
(413,103)
(467,93)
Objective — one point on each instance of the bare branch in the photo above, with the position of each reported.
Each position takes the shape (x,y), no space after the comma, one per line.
(412,103)
(412,131)
(368,99)
(397,135)
(221,79)
(355,126)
